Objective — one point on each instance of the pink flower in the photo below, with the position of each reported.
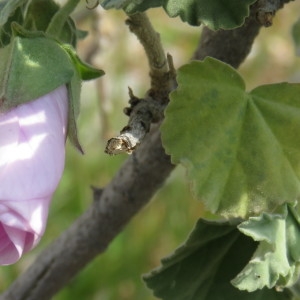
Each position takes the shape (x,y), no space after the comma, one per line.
(32,156)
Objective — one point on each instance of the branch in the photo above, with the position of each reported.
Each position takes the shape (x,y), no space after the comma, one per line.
(267,9)
(133,186)
(143,112)
(229,46)
(233,46)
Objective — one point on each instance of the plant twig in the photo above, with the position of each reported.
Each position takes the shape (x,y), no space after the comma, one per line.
(143,112)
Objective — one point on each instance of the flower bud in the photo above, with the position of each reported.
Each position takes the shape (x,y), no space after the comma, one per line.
(32,156)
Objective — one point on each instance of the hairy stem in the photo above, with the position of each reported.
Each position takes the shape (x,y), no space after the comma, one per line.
(140,25)
(145,111)
(59,19)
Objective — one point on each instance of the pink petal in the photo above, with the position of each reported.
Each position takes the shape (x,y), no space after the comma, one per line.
(32,154)
(13,242)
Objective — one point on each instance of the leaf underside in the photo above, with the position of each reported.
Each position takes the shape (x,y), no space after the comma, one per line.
(276,260)
(204,265)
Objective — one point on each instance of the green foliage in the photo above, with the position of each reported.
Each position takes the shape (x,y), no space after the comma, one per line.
(10,11)
(8,8)
(42,64)
(85,71)
(39,16)
(204,265)
(276,262)
(214,14)
(241,150)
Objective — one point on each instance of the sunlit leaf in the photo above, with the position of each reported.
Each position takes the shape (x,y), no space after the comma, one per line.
(41,63)
(86,71)
(276,261)
(204,265)
(214,13)
(241,150)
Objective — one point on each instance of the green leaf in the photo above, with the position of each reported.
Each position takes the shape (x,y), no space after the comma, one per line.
(214,14)
(31,68)
(41,13)
(204,265)
(296,36)
(61,18)
(8,8)
(276,261)
(74,88)
(241,150)
(83,72)
(38,15)
(86,71)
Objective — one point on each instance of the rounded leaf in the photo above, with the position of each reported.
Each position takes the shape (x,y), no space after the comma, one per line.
(242,150)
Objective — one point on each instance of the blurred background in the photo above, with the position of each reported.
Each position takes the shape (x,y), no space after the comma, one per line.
(166,221)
